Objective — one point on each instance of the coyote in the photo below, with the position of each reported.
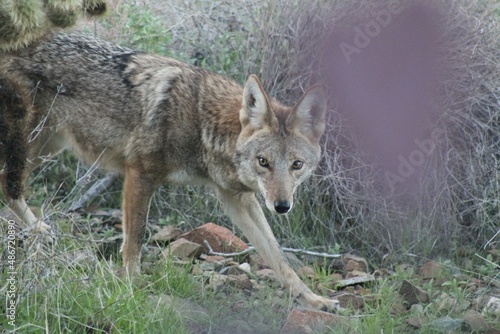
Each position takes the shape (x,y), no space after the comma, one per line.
(156,120)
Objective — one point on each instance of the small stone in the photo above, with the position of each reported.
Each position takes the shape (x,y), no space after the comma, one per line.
(306,272)
(492,307)
(301,320)
(233,270)
(348,300)
(207,266)
(445,302)
(166,234)
(267,275)
(354,263)
(415,321)
(257,262)
(245,267)
(417,309)
(431,269)
(476,321)
(241,282)
(413,294)
(445,324)
(183,249)
(217,281)
(196,270)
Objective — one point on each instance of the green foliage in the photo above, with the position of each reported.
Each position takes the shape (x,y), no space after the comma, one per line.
(139,28)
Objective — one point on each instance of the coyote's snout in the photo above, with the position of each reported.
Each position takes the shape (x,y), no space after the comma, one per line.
(156,120)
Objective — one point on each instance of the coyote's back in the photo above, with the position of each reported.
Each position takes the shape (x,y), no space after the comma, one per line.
(157,120)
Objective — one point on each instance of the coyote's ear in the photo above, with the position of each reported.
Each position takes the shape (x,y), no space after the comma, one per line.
(308,115)
(255,111)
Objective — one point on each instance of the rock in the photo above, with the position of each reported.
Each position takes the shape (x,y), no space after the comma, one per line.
(245,267)
(183,249)
(444,325)
(413,294)
(241,282)
(196,270)
(398,307)
(220,238)
(217,281)
(306,272)
(267,275)
(417,309)
(448,304)
(431,269)
(415,321)
(166,234)
(207,266)
(354,263)
(492,307)
(233,270)
(475,321)
(301,320)
(257,262)
(348,300)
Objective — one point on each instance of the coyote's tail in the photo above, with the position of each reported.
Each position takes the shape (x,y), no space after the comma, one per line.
(14,113)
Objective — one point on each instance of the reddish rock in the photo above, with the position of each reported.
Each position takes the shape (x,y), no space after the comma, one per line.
(306,272)
(301,320)
(354,263)
(431,269)
(348,300)
(220,238)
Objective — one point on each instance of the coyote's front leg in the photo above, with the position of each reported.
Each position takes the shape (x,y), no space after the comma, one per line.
(244,210)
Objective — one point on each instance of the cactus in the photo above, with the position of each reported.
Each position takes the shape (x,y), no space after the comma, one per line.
(24,21)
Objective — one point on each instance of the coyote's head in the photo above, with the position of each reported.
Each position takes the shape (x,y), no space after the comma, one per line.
(278,146)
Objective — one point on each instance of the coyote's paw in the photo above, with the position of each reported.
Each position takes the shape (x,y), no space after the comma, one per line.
(320,303)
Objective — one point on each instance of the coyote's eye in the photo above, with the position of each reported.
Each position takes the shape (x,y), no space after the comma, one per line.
(263,162)
(297,164)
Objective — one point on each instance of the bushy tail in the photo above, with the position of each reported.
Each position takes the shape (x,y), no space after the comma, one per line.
(14,112)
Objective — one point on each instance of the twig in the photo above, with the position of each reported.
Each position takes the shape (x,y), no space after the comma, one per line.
(285,249)
(96,189)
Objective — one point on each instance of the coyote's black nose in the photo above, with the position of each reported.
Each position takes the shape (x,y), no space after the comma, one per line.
(282,206)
